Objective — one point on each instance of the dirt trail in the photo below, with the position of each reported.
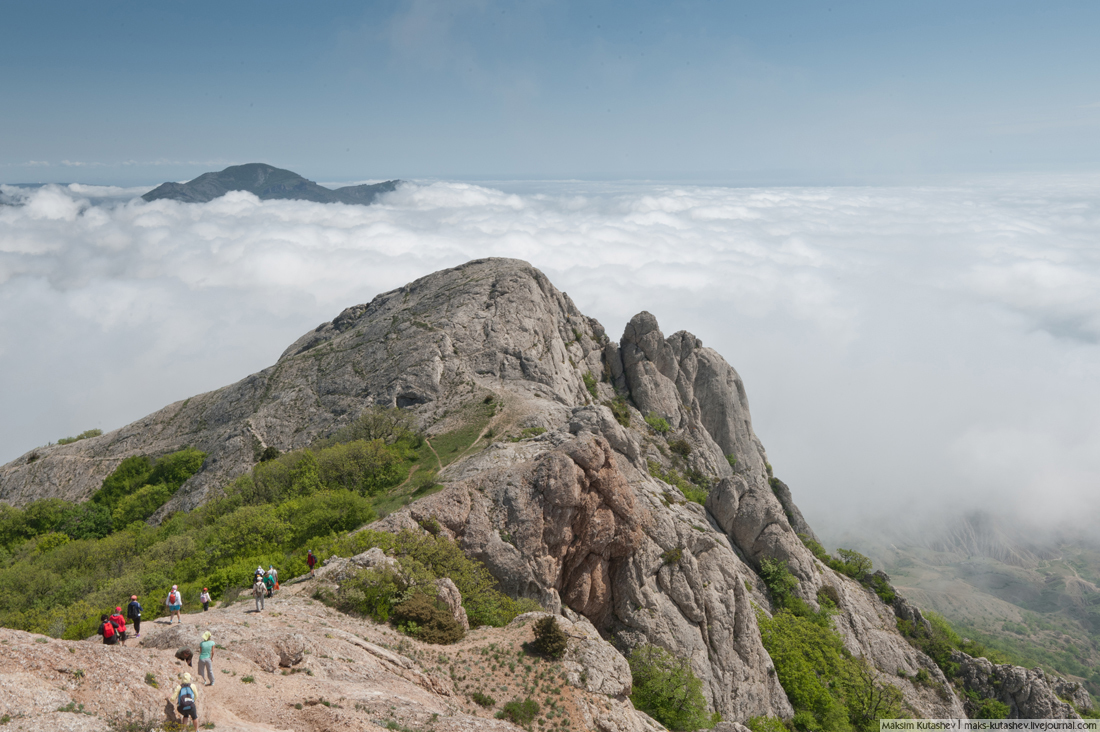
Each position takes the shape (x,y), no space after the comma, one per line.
(345,675)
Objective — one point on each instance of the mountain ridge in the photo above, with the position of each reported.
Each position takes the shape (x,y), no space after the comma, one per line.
(620,481)
(267,183)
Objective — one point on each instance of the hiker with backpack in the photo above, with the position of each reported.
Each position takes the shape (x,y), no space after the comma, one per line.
(120,625)
(185,697)
(174,603)
(206,659)
(107,630)
(311,561)
(258,591)
(204,598)
(269,583)
(133,612)
(274,573)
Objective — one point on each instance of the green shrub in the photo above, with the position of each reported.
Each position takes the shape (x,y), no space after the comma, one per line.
(431,618)
(483,700)
(95,432)
(141,504)
(766,724)
(590,384)
(828,688)
(550,639)
(778,579)
(991,709)
(680,447)
(658,423)
(621,411)
(828,593)
(882,588)
(672,556)
(520,712)
(733,464)
(691,491)
(666,689)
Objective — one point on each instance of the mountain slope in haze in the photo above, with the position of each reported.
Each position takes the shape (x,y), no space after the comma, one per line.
(267,183)
(1032,594)
(618,482)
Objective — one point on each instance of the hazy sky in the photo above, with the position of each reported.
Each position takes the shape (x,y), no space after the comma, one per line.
(885,215)
(746,92)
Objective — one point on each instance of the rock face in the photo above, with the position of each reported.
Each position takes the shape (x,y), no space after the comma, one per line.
(1029,693)
(573,517)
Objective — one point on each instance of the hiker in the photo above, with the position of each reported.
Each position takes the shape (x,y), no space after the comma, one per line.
(269,583)
(185,654)
(185,697)
(206,658)
(174,603)
(107,630)
(204,598)
(311,561)
(133,611)
(258,591)
(120,625)
(274,575)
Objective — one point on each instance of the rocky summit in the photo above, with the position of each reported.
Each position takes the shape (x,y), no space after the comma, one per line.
(629,494)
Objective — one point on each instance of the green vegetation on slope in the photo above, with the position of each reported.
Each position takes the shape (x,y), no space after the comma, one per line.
(668,690)
(63,564)
(828,687)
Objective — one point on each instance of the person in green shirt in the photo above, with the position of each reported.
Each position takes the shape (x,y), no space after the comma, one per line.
(206,658)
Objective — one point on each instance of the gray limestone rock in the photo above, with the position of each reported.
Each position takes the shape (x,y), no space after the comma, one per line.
(1029,693)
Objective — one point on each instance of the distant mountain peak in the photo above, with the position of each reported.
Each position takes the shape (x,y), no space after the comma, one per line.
(266,182)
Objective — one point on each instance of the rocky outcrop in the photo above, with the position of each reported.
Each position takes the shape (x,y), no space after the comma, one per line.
(495,322)
(1029,693)
(586,517)
(452,598)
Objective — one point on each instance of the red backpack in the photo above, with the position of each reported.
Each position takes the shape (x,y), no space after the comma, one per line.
(108,630)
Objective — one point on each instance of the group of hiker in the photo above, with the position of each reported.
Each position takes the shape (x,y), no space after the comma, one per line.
(264,585)
(185,696)
(113,629)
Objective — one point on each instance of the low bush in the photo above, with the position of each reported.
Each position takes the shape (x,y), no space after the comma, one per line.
(668,690)
(657,423)
(82,436)
(550,640)
(429,619)
(521,712)
(590,384)
(621,411)
(483,700)
(680,447)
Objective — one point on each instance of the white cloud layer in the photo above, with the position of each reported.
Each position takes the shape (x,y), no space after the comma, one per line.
(903,348)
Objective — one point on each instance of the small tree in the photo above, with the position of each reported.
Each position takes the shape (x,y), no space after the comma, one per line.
(550,639)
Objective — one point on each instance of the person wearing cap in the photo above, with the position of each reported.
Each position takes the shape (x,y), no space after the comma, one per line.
(174,603)
(133,611)
(206,659)
(274,575)
(204,598)
(187,708)
(120,625)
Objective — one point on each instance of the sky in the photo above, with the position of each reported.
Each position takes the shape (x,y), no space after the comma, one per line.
(884,215)
(776,93)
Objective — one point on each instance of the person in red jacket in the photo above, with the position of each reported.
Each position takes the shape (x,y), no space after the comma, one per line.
(120,624)
(311,561)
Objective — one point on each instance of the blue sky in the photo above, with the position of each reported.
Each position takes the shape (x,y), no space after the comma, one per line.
(745,93)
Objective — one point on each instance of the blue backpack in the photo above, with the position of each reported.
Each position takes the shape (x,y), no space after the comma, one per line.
(186,702)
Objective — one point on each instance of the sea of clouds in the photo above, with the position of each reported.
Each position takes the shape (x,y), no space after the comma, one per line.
(904,350)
